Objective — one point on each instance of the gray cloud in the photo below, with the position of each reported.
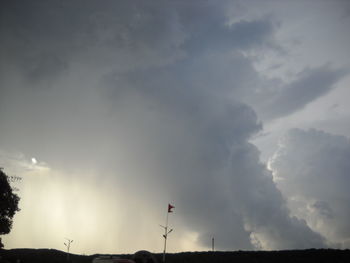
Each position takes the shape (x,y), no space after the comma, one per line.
(311,168)
(284,99)
(221,37)
(210,160)
(151,97)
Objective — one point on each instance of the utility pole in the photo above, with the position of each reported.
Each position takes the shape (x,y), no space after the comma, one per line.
(212,244)
(166,231)
(67,244)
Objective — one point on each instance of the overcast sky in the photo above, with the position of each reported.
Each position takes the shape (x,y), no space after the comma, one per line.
(235,112)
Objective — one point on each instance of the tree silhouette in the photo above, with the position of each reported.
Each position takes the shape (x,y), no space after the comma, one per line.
(8,205)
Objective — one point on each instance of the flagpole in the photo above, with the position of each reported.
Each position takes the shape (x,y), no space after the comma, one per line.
(166,232)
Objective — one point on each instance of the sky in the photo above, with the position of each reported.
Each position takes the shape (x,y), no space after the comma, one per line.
(235,112)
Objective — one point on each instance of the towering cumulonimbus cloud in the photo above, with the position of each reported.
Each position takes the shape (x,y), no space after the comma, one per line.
(311,170)
(156,98)
(200,143)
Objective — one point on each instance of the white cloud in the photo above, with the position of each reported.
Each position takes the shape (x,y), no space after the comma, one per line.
(313,166)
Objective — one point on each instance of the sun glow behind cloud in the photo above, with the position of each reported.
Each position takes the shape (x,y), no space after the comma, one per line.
(94,213)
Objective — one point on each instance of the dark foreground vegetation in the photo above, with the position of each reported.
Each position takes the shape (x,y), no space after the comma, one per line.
(293,256)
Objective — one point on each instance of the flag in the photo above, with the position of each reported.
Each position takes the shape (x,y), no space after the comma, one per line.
(170,207)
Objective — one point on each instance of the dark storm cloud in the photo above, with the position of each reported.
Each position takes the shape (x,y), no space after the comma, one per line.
(154,91)
(312,168)
(210,160)
(308,85)
(221,37)
(46,36)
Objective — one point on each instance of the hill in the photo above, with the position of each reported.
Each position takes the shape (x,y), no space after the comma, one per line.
(293,256)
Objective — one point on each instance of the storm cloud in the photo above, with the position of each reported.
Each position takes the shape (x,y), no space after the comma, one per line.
(158,100)
(311,169)
(309,85)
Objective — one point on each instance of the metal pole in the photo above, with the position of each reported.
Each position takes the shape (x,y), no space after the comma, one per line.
(68,247)
(212,244)
(165,235)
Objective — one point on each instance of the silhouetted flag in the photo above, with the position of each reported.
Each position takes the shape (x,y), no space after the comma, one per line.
(170,207)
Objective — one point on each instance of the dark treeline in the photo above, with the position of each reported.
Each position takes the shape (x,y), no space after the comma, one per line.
(293,256)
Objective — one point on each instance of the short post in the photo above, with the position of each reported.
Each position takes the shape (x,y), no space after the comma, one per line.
(67,244)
